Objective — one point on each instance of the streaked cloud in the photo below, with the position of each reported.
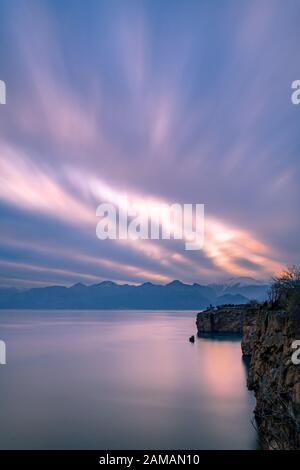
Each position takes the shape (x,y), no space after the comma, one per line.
(181,102)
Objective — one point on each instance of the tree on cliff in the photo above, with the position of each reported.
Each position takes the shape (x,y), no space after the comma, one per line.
(283,287)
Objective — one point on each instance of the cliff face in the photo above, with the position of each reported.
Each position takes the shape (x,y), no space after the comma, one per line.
(267,338)
(225,319)
(249,335)
(274,378)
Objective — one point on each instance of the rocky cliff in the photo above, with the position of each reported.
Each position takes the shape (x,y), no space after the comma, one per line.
(267,337)
(273,377)
(228,319)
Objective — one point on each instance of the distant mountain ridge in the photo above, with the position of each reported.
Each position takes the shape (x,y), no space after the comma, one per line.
(175,295)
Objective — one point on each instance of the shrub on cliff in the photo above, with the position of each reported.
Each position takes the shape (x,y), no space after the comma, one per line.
(284,287)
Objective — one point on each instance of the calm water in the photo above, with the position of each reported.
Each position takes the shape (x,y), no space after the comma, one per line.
(120,379)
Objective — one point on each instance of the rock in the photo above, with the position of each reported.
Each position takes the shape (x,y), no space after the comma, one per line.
(225,319)
(296,394)
(249,331)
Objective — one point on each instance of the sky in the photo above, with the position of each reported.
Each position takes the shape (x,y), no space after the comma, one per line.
(165,101)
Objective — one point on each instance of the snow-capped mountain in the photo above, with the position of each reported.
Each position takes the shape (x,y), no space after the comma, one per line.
(246,286)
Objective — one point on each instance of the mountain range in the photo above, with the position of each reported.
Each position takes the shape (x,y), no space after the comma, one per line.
(175,295)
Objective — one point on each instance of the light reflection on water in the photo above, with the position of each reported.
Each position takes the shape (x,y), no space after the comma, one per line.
(120,379)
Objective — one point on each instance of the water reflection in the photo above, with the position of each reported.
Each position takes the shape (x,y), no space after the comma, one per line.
(120,379)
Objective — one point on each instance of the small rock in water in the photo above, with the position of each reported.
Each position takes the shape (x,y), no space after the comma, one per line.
(192,339)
